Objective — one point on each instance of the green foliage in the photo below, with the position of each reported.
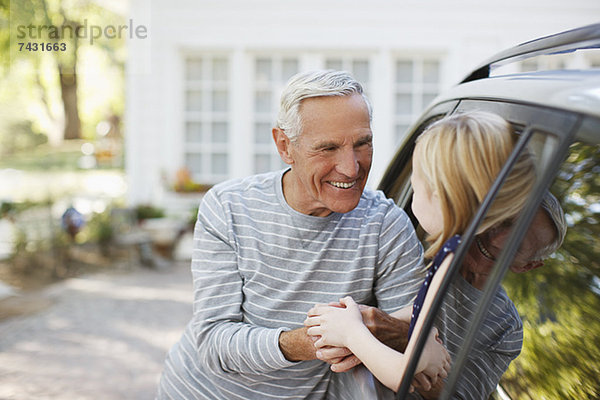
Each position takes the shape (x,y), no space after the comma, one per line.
(39,240)
(41,76)
(45,157)
(145,211)
(560,303)
(99,228)
(20,136)
(192,217)
(4,36)
(11,208)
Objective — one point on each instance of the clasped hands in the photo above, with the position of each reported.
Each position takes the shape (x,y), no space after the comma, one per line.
(331,325)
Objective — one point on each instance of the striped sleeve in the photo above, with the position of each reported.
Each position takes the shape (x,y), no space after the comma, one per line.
(400,264)
(225,342)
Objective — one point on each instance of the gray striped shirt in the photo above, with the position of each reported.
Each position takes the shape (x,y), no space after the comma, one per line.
(498,341)
(258,266)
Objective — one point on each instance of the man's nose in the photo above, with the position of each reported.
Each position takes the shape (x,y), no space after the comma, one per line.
(347,164)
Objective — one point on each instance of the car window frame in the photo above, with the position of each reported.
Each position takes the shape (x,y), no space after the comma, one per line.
(563,125)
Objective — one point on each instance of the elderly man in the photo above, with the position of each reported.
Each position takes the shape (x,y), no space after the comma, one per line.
(501,336)
(268,247)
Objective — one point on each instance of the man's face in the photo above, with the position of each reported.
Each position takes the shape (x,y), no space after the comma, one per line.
(487,248)
(331,157)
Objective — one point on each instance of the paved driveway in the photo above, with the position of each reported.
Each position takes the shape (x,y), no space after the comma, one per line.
(99,337)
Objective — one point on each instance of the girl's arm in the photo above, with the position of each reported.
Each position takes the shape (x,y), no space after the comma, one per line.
(403,314)
(343,327)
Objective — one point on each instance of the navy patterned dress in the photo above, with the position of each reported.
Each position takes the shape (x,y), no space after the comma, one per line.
(448,247)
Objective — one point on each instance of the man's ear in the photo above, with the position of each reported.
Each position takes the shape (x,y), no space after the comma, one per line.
(283,144)
(527,267)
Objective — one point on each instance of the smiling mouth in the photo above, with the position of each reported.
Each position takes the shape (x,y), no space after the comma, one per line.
(342,185)
(484,250)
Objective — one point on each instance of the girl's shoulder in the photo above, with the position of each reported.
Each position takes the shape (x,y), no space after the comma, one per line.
(449,247)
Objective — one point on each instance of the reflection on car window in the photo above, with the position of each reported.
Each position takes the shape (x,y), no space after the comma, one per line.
(560,303)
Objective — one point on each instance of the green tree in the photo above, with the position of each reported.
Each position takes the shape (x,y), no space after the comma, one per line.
(63,26)
(560,303)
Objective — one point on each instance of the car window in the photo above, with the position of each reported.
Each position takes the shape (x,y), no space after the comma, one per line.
(559,302)
(542,144)
(486,341)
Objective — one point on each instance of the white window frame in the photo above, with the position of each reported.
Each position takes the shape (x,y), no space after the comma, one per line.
(207,147)
(274,86)
(416,88)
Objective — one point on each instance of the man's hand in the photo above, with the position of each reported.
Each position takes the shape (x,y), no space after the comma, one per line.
(340,358)
(296,345)
(387,329)
(329,354)
(423,385)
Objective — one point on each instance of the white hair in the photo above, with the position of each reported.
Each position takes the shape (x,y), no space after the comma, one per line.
(552,207)
(313,84)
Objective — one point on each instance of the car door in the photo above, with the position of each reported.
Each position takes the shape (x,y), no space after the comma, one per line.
(549,132)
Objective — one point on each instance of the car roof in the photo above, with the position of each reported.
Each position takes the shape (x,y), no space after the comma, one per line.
(575,91)
(572,90)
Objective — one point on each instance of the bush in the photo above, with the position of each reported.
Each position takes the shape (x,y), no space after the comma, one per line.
(146,211)
(99,229)
(20,136)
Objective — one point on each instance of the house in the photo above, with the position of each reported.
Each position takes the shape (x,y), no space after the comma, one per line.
(203,86)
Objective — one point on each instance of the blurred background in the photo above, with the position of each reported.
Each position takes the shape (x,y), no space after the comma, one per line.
(116,116)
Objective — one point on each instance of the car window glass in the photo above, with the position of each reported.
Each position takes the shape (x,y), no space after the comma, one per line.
(559,303)
(498,339)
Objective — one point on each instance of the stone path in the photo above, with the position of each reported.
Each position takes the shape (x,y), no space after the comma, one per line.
(97,337)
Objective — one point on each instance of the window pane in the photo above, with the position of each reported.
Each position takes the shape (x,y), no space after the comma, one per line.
(194,100)
(403,104)
(193,69)
(193,132)
(360,70)
(401,131)
(219,164)
(404,71)
(334,63)
(431,72)
(427,99)
(262,133)
(220,69)
(219,132)
(560,301)
(289,68)
(264,70)
(219,100)
(262,163)
(194,162)
(262,101)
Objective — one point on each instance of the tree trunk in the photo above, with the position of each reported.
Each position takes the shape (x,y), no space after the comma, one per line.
(68,88)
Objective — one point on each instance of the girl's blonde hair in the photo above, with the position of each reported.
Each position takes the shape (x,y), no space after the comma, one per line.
(460,156)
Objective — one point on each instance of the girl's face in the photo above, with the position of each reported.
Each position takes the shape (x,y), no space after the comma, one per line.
(425,204)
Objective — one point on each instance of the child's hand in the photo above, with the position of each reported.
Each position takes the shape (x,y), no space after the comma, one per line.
(333,324)
(435,361)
